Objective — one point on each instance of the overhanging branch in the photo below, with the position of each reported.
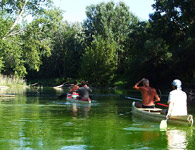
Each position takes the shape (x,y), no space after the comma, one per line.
(16,21)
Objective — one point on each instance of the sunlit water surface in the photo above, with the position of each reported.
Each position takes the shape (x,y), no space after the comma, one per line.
(37,119)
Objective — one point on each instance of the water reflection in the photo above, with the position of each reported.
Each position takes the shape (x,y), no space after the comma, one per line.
(74,147)
(145,135)
(13,90)
(173,138)
(41,121)
(177,138)
(79,108)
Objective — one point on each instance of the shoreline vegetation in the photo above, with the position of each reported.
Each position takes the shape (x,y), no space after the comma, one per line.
(15,82)
(102,49)
(11,82)
(111,48)
(65,83)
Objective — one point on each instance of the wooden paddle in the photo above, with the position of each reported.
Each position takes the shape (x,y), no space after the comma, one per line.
(137,99)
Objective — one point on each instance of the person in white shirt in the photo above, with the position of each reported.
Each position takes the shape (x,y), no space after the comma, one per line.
(177,100)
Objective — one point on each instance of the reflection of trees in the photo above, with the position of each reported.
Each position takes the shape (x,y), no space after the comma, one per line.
(13,90)
(177,138)
(82,109)
(24,124)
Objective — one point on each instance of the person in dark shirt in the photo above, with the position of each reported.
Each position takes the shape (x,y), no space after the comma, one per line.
(84,91)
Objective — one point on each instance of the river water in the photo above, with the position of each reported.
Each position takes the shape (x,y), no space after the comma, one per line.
(38,120)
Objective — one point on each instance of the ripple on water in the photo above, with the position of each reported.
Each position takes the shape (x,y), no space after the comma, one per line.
(74,147)
(68,123)
(143,127)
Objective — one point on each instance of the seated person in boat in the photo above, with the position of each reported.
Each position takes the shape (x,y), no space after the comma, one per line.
(84,91)
(177,100)
(74,88)
(149,94)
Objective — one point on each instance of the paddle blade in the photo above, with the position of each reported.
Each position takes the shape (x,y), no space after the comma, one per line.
(163,124)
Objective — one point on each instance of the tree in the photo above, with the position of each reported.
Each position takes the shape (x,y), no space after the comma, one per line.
(146,56)
(103,19)
(105,37)
(65,53)
(23,44)
(16,10)
(99,63)
(38,38)
(173,21)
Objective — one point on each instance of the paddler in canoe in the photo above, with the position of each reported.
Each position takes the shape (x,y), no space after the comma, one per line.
(177,101)
(74,90)
(74,87)
(177,105)
(149,94)
(84,91)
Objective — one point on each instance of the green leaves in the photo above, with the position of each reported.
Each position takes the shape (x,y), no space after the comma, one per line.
(99,63)
(111,43)
(106,30)
(173,21)
(12,57)
(24,44)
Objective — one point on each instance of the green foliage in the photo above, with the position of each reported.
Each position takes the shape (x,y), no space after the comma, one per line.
(103,19)
(1,63)
(99,62)
(65,53)
(33,7)
(24,44)
(152,62)
(110,45)
(173,21)
(12,57)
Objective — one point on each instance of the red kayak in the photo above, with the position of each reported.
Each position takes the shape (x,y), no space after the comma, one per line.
(74,97)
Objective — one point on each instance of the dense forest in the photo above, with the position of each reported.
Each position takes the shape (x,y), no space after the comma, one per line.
(110,47)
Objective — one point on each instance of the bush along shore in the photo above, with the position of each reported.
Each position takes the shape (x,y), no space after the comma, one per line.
(11,81)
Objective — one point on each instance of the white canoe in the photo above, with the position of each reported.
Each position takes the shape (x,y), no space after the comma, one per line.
(153,114)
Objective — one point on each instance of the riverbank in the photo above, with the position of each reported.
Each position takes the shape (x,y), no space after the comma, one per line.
(62,82)
(11,81)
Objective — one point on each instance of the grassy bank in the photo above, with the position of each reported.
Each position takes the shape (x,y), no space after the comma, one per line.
(12,81)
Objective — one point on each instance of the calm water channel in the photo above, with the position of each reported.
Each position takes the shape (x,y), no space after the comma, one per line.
(36,120)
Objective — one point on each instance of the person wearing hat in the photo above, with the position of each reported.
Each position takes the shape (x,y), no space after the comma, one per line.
(177,100)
